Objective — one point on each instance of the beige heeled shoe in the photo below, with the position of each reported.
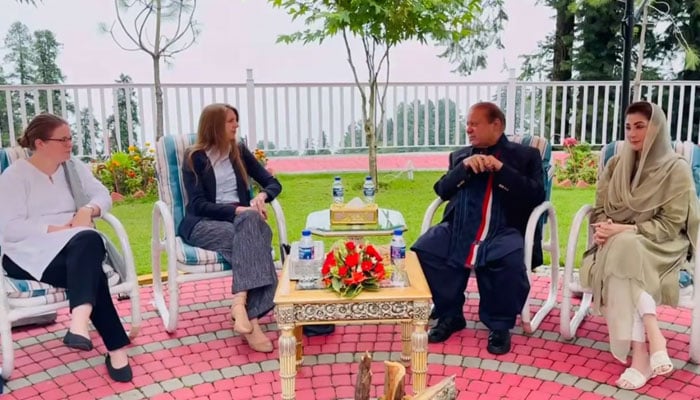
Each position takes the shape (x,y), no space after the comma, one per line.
(257,340)
(239,315)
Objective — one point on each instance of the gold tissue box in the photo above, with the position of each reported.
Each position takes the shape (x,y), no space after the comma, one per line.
(367,214)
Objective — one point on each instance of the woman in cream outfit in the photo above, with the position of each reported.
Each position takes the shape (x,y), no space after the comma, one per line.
(645,220)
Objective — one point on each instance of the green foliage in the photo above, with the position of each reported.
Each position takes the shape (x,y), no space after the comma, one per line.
(388,22)
(469,52)
(126,103)
(380,25)
(31,59)
(581,165)
(129,174)
(20,56)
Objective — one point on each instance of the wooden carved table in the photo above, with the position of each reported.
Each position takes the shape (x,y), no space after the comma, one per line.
(409,306)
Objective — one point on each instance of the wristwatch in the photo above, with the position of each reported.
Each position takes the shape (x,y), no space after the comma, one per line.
(91,207)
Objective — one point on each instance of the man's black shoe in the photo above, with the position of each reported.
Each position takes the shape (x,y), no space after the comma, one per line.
(499,342)
(318,330)
(445,327)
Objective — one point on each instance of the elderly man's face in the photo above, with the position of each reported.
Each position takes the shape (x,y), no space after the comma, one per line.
(480,131)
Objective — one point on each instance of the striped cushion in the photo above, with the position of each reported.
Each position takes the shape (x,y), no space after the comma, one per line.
(545,150)
(689,150)
(24,288)
(10,155)
(195,258)
(170,151)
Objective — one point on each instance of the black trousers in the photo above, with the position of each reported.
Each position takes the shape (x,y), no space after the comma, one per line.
(503,288)
(78,269)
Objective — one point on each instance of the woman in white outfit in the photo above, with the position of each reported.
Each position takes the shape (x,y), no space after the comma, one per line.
(45,238)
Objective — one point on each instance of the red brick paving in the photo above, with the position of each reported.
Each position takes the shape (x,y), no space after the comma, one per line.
(331,381)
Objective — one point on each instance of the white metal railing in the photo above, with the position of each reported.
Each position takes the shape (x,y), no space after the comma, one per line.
(291,119)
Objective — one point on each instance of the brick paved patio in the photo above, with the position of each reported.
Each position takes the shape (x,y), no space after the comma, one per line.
(205,359)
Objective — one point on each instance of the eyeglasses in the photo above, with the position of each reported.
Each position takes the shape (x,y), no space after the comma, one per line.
(63,140)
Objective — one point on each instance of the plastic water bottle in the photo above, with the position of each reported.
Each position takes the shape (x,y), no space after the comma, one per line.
(338,191)
(306,246)
(397,250)
(368,190)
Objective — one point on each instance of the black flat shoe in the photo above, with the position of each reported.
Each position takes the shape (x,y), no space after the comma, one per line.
(78,342)
(499,342)
(445,327)
(122,374)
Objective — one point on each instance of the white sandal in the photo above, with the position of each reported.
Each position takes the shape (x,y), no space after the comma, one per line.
(661,363)
(632,376)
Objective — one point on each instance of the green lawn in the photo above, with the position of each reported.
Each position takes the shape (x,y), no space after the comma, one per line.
(304,193)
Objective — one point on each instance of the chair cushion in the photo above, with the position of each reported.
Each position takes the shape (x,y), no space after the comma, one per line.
(194,259)
(545,149)
(10,155)
(689,150)
(170,151)
(26,288)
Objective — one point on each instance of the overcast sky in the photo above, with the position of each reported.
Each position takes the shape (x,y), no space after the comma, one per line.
(240,34)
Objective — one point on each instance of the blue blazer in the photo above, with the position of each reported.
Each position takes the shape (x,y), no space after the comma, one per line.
(200,185)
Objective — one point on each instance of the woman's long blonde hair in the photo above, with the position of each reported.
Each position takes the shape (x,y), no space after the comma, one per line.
(211,135)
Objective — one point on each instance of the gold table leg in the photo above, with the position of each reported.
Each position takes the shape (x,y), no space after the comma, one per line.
(419,344)
(406,329)
(300,344)
(288,362)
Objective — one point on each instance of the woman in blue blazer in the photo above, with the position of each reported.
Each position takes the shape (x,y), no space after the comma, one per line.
(221,216)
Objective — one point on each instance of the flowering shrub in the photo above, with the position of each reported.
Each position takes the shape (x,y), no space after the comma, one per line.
(581,165)
(129,174)
(261,157)
(349,269)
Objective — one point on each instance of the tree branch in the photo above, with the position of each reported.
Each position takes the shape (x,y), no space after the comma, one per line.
(185,47)
(116,41)
(142,31)
(352,66)
(188,27)
(121,23)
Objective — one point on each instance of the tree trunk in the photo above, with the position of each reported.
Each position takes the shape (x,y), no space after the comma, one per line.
(156,75)
(563,41)
(370,132)
(637,86)
(159,98)
(364,378)
(394,380)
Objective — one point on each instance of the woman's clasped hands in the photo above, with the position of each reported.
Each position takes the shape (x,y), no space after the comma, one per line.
(602,231)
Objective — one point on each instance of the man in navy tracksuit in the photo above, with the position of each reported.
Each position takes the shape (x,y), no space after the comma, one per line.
(492,187)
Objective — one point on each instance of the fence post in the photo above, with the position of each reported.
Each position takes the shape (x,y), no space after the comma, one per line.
(250,103)
(510,102)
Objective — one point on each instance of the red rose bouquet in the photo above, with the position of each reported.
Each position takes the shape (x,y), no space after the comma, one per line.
(349,269)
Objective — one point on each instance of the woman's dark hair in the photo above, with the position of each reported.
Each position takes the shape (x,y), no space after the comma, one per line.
(640,107)
(40,127)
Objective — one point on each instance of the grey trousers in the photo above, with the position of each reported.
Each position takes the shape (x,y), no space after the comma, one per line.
(246,245)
